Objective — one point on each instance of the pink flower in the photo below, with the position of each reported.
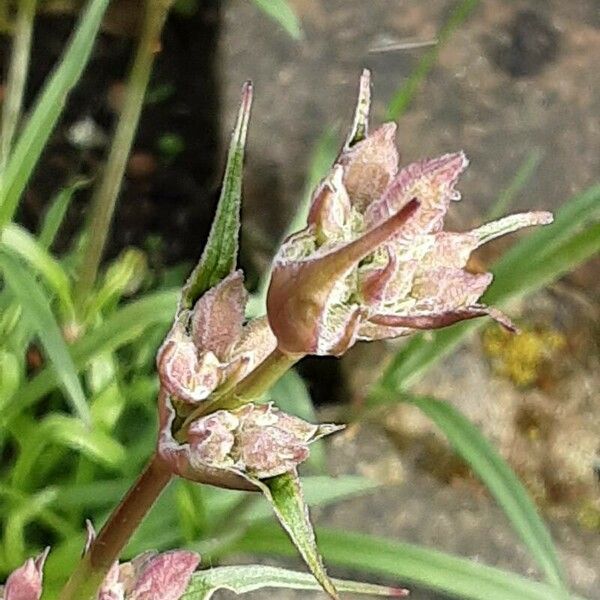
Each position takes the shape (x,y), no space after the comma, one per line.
(149,576)
(210,344)
(373,261)
(26,582)
(229,448)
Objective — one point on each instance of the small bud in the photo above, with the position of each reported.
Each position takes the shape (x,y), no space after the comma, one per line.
(210,346)
(226,448)
(26,582)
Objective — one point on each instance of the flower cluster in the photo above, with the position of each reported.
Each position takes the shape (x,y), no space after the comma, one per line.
(149,576)
(208,350)
(373,261)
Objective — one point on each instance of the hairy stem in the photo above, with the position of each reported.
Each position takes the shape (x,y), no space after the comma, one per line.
(17,77)
(105,194)
(106,548)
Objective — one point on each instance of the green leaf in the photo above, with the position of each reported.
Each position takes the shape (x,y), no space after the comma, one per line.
(47,110)
(281,12)
(220,253)
(284,492)
(21,242)
(499,479)
(291,395)
(122,327)
(535,261)
(34,303)
(56,212)
(405,95)
(247,578)
(452,575)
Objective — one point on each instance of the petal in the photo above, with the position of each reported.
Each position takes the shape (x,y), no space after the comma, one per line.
(443,289)
(508,224)
(330,209)
(374,281)
(300,292)
(26,582)
(166,576)
(184,372)
(178,456)
(441,319)
(256,342)
(211,439)
(370,165)
(432,183)
(218,316)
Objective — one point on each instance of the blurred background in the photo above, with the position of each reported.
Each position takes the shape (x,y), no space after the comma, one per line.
(515,84)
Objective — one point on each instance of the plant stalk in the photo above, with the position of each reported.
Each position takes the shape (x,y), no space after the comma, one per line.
(106,193)
(106,548)
(17,77)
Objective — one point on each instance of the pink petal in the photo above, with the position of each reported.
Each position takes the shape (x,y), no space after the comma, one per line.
(374,282)
(370,165)
(432,183)
(299,292)
(26,582)
(166,576)
(218,316)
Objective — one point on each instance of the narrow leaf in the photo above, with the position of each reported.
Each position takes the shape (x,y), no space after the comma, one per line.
(21,242)
(281,12)
(452,575)
(220,253)
(248,578)
(284,492)
(499,479)
(122,327)
(34,303)
(47,110)
(56,212)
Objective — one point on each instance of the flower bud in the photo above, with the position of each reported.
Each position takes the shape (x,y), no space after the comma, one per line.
(210,345)
(26,582)
(229,448)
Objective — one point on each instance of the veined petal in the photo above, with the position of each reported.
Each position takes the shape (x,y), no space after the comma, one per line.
(166,576)
(508,224)
(432,183)
(330,210)
(443,289)
(299,292)
(449,249)
(185,373)
(217,317)
(370,165)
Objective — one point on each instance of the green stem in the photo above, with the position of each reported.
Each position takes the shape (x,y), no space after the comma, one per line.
(17,76)
(106,548)
(105,194)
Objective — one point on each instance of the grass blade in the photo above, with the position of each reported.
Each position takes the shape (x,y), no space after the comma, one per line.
(21,242)
(446,573)
(47,110)
(34,303)
(499,479)
(405,95)
(281,12)
(124,326)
